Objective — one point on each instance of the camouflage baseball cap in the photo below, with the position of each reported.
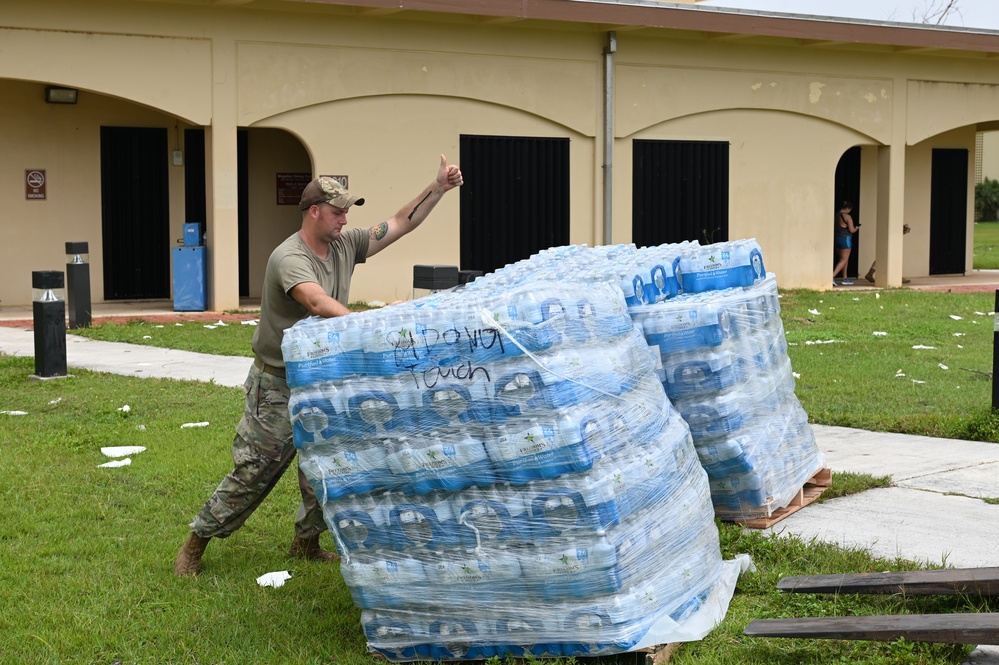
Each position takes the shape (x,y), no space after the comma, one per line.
(327,190)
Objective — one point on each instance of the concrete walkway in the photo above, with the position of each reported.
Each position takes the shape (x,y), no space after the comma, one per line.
(934,513)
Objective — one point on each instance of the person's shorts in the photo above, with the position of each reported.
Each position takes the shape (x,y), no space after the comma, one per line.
(844,242)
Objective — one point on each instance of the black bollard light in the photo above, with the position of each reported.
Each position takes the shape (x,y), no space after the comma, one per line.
(50,323)
(78,284)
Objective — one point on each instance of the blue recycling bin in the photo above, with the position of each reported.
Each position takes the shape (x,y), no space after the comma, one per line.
(189,279)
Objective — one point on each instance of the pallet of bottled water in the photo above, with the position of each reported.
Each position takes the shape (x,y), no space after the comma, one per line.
(726,370)
(503,473)
(712,315)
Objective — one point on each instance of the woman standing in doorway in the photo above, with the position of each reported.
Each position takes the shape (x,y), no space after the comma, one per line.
(844,228)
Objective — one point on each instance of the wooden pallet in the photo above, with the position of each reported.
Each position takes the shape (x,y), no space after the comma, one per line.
(808,493)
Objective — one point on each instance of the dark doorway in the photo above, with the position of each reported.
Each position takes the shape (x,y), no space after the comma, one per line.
(847,188)
(515,200)
(680,192)
(135,213)
(948,211)
(195,182)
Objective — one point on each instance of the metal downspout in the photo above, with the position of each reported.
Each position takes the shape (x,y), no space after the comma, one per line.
(609,52)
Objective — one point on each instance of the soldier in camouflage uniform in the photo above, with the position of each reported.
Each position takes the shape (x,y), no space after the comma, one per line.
(307,275)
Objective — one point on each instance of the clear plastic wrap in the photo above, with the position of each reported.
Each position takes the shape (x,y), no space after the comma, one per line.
(726,370)
(507,448)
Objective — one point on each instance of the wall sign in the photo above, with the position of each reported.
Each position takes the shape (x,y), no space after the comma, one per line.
(34,184)
(290,186)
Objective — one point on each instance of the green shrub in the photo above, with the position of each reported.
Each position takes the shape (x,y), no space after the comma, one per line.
(987,200)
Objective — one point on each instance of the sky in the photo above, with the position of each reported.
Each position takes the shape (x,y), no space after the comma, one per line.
(968,13)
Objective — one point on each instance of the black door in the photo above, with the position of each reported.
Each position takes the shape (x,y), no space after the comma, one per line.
(135,213)
(948,211)
(195,182)
(680,192)
(515,200)
(848,189)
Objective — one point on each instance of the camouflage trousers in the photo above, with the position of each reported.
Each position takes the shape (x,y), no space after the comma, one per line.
(262,450)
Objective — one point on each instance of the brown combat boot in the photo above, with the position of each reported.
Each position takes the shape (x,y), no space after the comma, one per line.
(310,550)
(188,563)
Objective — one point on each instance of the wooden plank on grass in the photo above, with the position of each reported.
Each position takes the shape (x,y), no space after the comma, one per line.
(948,582)
(943,628)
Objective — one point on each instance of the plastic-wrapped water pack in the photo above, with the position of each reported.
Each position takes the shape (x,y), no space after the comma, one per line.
(726,370)
(712,314)
(502,471)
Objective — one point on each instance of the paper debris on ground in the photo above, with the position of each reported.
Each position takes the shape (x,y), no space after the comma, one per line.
(201,424)
(56,400)
(14,413)
(222,323)
(211,327)
(899,373)
(955,317)
(821,341)
(958,334)
(921,346)
(249,323)
(116,463)
(275,579)
(879,333)
(915,381)
(942,366)
(814,311)
(122,451)
(796,375)
(125,409)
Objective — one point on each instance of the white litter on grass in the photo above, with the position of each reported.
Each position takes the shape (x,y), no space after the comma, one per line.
(147,337)
(115,463)
(249,323)
(201,424)
(958,334)
(899,374)
(275,579)
(141,428)
(222,323)
(857,299)
(796,375)
(942,366)
(877,295)
(211,327)
(959,346)
(879,333)
(980,314)
(157,326)
(56,400)
(122,451)
(125,409)
(178,324)
(921,346)
(915,381)
(14,413)
(955,317)
(814,311)
(821,341)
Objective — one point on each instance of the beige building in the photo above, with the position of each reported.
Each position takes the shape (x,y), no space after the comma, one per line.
(574,121)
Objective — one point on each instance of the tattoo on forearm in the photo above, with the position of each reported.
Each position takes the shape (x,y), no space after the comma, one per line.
(410,218)
(380,231)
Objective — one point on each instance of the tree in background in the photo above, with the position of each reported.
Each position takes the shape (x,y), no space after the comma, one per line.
(987,200)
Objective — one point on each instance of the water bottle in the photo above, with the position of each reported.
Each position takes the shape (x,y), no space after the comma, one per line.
(382,579)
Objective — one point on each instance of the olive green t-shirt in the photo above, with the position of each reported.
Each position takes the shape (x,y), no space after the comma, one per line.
(293,263)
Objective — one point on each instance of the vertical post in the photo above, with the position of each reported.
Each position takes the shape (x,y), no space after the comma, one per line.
(995,354)
(49,311)
(78,284)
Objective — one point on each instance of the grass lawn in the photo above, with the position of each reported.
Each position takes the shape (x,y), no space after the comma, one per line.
(88,551)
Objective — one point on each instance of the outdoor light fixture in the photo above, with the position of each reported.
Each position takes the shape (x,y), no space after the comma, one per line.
(55,95)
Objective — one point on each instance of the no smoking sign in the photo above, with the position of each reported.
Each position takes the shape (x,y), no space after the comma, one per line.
(34,184)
